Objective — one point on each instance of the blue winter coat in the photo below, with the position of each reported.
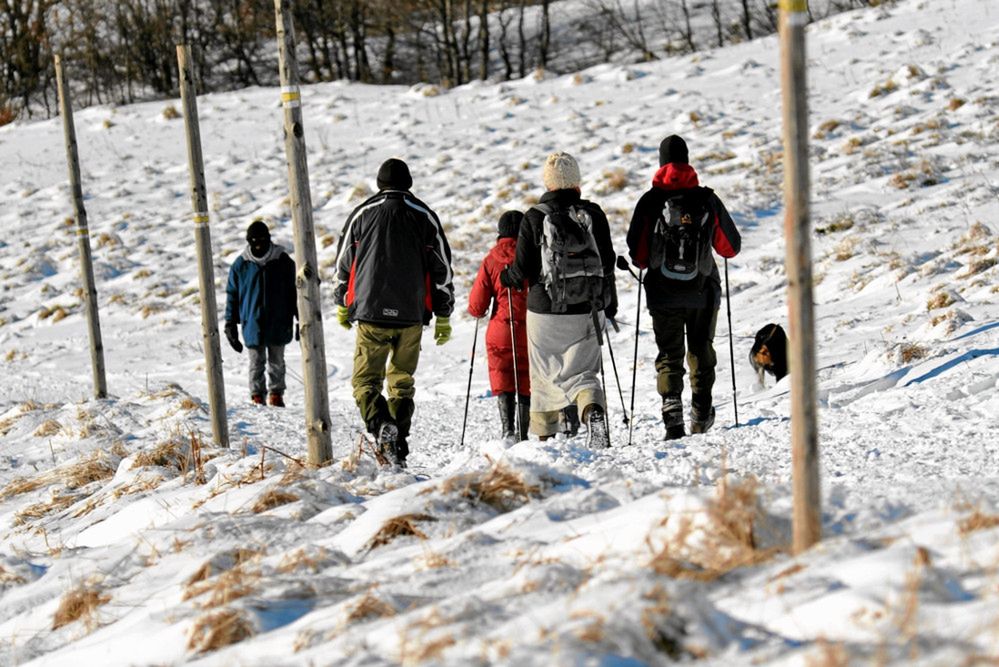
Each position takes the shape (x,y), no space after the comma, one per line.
(262,298)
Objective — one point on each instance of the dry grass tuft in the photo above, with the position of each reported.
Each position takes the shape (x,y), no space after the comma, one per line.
(94,468)
(826,128)
(171,454)
(398,526)
(47,429)
(273,498)
(499,487)
(845,249)
(81,603)
(368,607)
(432,650)
(8,577)
(830,655)
(170,112)
(882,89)
(223,562)
(302,558)
(939,300)
(977,520)
(20,485)
(615,180)
(230,585)
(909,352)
(37,511)
(727,543)
(218,629)
(955,103)
(190,404)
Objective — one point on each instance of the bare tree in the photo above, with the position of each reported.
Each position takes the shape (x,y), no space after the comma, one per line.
(483,38)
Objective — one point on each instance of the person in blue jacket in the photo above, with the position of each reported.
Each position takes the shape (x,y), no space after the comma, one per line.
(261,296)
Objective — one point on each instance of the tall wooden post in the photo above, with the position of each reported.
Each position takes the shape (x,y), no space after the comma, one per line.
(82,237)
(203,244)
(317,410)
(801,309)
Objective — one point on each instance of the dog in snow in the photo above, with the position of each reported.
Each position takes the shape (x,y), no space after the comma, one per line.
(769,353)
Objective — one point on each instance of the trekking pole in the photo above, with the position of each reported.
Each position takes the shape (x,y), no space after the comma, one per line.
(622,264)
(468,392)
(731,346)
(516,377)
(617,378)
(603,380)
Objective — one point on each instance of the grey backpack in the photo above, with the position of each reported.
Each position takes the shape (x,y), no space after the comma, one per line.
(571,270)
(678,237)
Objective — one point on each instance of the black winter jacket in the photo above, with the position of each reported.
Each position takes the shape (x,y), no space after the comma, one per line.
(527,265)
(393,262)
(720,233)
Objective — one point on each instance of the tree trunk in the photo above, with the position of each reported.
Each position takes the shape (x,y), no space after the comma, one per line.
(484,39)
(546,34)
(747,20)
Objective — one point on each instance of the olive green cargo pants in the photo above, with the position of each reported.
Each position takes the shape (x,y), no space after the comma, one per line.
(376,350)
(696,327)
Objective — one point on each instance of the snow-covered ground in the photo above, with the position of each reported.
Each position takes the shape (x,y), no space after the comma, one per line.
(117,548)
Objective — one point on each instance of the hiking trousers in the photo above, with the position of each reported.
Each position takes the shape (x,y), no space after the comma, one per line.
(696,327)
(381,352)
(270,357)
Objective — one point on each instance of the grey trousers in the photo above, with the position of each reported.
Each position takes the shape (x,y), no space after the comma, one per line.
(271,356)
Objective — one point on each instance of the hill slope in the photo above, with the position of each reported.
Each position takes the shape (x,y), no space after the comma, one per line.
(530,554)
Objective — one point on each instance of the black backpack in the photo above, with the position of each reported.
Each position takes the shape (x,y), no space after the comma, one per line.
(571,270)
(679,237)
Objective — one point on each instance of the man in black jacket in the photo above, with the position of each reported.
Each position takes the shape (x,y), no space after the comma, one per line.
(393,274)
(564,251)
(682,305)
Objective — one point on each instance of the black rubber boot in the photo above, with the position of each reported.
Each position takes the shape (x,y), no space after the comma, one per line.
(524,407)
(702,414)
(508,416)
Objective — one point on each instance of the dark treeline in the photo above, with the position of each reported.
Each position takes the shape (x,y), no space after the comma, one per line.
(122,51)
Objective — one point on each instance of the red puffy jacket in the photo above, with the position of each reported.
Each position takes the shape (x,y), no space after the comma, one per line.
(488,289)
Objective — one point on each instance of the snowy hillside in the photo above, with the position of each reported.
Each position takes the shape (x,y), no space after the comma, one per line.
(126,538)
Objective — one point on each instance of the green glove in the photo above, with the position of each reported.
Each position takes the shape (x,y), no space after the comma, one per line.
(343,317)
(442,330)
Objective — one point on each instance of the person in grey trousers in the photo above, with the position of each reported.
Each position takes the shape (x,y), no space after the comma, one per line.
(260,295)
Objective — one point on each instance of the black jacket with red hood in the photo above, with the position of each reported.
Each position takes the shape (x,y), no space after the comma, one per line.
(662,292)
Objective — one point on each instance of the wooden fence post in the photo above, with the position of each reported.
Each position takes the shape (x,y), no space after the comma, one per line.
(317,410)
(801,309)
(82,237)
(203,243)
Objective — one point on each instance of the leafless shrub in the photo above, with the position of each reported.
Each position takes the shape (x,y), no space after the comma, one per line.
(80,603)
(219,629)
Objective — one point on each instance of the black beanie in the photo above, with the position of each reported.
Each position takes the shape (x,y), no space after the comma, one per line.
(673,149)
(509,224)
(394,175)
(258,230)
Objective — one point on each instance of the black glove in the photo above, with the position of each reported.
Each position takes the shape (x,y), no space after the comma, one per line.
(610,312)
(298,335)
(232,335)
(507,280)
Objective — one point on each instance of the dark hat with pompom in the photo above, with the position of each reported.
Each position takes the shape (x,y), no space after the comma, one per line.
(509,224)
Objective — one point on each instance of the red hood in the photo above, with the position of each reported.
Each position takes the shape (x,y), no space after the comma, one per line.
(675,176)
(505,250)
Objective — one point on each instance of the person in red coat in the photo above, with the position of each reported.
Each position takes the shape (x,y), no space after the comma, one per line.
(490,296)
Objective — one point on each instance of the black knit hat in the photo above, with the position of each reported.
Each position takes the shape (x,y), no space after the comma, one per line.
(673,149)
(258,230)
(394,175)
(509,224)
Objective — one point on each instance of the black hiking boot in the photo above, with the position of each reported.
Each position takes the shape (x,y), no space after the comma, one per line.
(524,410)
(673,417)
(388,434)
(702,413)
(597,435)
(568,421)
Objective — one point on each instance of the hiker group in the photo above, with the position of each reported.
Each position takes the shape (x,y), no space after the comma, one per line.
(547,286)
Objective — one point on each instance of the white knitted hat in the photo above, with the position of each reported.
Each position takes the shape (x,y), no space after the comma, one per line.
(561,172)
